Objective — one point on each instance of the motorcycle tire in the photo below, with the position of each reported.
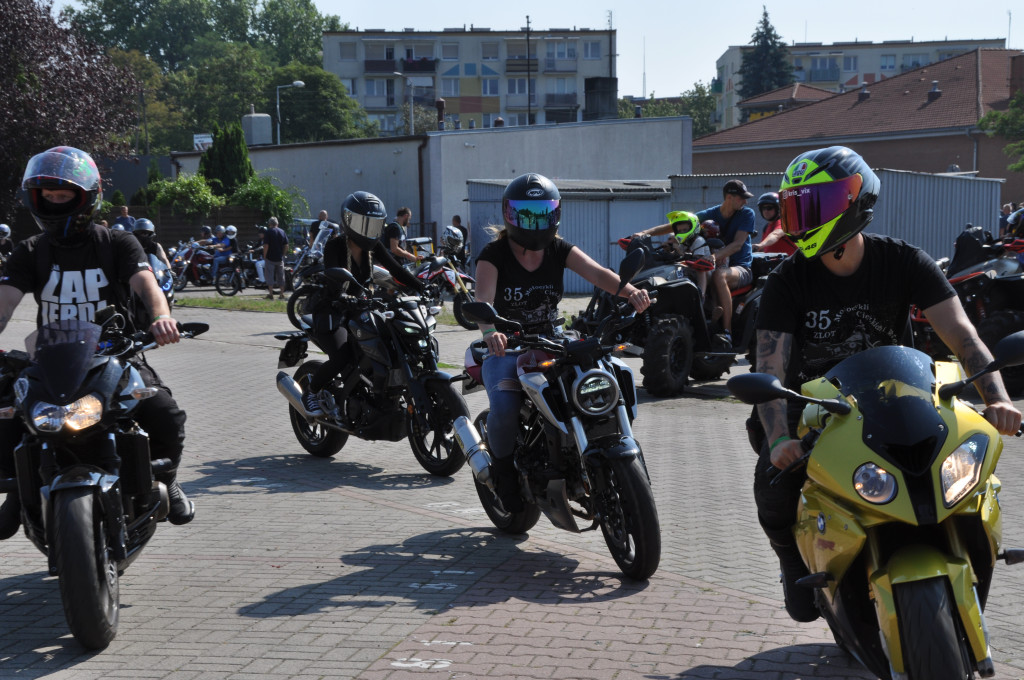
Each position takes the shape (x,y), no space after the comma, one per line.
(993,329)
(436,449)
(507,522)
(318,439)
(668,356)
(460,318)
(300,303)
(180,281)
(227,283)
(89,586)
(933,647)
(629,518)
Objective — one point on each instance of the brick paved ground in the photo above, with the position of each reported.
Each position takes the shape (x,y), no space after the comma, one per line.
(363,566)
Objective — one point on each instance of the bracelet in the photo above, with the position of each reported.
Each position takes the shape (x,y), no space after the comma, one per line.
(783,438)
(489,331)
(160,316)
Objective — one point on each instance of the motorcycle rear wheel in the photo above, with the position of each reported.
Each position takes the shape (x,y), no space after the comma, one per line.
(629,518)
(460,318)
(89,586)
(436,449)
(299,303)
(933,648)
(316,438)
(668,356)
(506,522)
(228,283)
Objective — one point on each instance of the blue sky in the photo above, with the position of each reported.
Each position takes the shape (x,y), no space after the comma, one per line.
(676,43)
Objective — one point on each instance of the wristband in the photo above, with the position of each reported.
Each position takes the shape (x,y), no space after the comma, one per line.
(160,316)
(489,331)
(783,438)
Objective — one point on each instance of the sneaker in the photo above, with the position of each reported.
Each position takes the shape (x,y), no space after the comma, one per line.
(268,296)
(311,402)
(10,516)
(183,510)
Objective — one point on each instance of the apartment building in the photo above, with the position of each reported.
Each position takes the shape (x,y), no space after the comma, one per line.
(523,77)
(837,67)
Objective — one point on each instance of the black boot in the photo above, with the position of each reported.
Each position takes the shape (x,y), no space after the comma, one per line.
(182,509)
(10,515)
(799,599)
(506,483)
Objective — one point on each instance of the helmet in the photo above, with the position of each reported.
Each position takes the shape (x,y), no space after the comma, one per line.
(826,199)
(117,226)
(230,232)
(63,167)
(710,229)
(684,225)
(261,230)
(452,237)
(207,232)
(363,216)
(532,208)
(5,231)
(219,230)
(144,225)
(768,198)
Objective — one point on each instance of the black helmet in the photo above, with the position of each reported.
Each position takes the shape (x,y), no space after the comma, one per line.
(768,198)
(206,231)
(144,225)
(532,208)
(363,216)
(826,199)
(63,167)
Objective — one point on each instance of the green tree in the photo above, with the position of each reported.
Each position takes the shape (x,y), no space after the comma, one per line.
(697,102)
(226,165)
(261,193)
(292,30)
(162,125)
(1009,125)
(187,195)
(318,111)
(766,67)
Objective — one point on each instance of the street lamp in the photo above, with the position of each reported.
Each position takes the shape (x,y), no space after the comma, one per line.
(408,90)
(297,83)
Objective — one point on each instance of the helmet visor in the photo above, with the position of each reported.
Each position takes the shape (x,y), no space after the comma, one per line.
(808,207)
(55,169)
(364,225)
(533,215)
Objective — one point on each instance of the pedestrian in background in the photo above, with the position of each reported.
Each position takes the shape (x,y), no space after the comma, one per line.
(125,220)
(275,242)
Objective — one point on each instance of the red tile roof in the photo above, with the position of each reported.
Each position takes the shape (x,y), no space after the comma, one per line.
(971,85)
(795,94)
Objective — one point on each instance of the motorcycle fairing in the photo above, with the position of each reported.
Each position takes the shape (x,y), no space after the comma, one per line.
(62,353)
(534,385)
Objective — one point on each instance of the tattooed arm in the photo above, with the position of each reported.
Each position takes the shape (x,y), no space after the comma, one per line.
(9,299)
(955,329)
(773,351)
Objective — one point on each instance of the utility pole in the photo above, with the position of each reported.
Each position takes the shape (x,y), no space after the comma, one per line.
(529,94)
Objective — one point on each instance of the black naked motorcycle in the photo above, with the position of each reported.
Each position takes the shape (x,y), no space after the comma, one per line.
(391,390)
(83,469)
(574,453)
(240,271)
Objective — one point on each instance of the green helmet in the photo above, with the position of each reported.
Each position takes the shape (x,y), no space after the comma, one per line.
(684,224)
(826,199)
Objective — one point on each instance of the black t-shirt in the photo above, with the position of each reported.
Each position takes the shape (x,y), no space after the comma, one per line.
(394,230)
(337,254)
(276,241)
(528,297)
(832,317)
(77,285)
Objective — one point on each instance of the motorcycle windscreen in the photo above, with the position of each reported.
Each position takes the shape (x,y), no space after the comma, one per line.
(63,351)
(894,387)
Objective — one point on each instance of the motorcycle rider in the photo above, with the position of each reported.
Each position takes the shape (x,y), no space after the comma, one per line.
(224,246)
(773,239)
(689,240)
(521,273)
(847,291)
(395,235)
(64,194)
(145,232)
(356,249)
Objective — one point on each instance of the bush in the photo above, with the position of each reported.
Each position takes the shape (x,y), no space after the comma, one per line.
(117,198)
(260,192)
(188,195)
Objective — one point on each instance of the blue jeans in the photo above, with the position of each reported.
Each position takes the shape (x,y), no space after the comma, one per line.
(217,260)
(505,396)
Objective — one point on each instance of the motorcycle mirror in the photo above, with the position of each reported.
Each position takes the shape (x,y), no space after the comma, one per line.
(715,243)
(341,275)
(193,327)
(628,268)
(479,312)
(758,388)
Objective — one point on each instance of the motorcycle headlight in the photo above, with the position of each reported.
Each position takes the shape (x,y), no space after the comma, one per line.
(961,470)
(874,484)
(47,417)
(79,415)
(595,393)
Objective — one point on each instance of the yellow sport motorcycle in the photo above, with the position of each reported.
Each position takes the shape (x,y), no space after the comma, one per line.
(899,520)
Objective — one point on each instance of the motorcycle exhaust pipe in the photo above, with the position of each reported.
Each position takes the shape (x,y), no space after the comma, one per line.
(287,386)
(477,455)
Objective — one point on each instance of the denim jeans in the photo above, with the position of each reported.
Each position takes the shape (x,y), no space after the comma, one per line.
(505,395)
(217,261)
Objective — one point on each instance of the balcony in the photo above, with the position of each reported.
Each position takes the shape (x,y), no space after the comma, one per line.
(518,101)
(799,75)
(560,101)
(560,66)
(823,75)
(422,65)
(520,65)
(716,86)
(379,65)
(379,102)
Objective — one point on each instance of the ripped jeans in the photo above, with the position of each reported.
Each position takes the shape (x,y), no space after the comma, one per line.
(501,380)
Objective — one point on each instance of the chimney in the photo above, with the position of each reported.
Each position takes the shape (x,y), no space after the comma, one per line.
(935,92)
(864,92)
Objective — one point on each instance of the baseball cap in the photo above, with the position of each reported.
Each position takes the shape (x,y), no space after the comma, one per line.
(734,186)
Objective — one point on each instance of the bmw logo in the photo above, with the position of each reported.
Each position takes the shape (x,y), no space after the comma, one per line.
(821,522)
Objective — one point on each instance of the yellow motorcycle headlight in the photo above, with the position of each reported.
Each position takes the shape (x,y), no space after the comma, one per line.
(961,470)
(874,484)
(84,413)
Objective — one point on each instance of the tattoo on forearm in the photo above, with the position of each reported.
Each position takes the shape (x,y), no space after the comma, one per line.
(974,356)
(773,353)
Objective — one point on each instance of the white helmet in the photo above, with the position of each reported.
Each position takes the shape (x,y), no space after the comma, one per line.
(231,231)
(5,231)
(452,237)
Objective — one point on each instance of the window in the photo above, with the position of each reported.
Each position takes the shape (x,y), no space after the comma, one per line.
(350,86)
(514,119)
(420,51)
(489,119)
(592,49)
(378,52)
(449,87)
(489,87)
(348,51)
(824,63)
(915,60)
(850,63)
(489,52)
(376,87)
(562,49)
(888,62)
(562,86)
(450,52)
(517,86)
(798,63)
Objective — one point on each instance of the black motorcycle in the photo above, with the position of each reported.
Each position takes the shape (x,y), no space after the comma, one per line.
(391,390)
(83,469)
(240,272)
(575,453)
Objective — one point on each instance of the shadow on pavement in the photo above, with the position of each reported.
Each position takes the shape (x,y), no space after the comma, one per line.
(795,662)
(438,569)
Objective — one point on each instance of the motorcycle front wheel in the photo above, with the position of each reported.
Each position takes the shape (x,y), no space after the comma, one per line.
(629,519)
(89,587)
(315,437)
(506,522)
(435,447)
(929,633)
(180,281)
(299,303)
(228,283)
(460,318)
